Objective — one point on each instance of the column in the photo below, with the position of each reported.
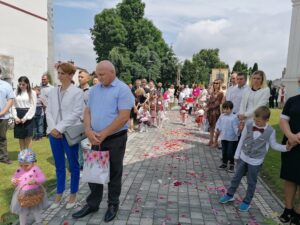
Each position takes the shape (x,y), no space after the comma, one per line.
(293,59)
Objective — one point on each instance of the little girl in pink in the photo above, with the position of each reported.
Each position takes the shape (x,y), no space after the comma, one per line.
(28,179)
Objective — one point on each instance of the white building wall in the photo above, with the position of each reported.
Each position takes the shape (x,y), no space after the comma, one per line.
(25,38)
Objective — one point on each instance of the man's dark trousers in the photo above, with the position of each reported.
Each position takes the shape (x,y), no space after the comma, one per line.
(116,144)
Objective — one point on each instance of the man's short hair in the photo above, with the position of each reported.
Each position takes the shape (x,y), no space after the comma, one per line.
(227,105)
(262,112)
(242,74)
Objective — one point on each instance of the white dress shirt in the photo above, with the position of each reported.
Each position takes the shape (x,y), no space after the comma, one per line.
(72,106)
(235,95)
(227,125)
(255,162)
(23,101)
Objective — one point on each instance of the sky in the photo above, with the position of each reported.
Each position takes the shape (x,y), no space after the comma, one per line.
(241,29)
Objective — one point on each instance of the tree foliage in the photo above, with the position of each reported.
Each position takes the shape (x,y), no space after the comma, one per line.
(133,43)
(240,67)
(199,68)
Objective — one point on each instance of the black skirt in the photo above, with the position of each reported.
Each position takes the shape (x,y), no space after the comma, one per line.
(290,169)
(23,130)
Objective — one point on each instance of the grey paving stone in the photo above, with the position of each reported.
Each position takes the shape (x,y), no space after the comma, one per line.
(150,196)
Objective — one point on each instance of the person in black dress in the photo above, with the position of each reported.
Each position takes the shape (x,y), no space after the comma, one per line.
(290,166)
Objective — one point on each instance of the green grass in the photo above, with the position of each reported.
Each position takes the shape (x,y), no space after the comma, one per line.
(44,160)
(271,167)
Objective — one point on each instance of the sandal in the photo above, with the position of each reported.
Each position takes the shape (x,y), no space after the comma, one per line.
(287,215)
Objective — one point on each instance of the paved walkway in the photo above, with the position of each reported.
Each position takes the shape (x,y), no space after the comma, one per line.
(171,177)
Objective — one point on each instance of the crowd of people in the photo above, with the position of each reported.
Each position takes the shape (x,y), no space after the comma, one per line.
(236,119)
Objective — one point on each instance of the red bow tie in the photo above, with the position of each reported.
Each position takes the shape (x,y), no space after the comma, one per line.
(261,130)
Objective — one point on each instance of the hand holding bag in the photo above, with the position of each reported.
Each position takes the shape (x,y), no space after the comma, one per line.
(75,133)
(96,164)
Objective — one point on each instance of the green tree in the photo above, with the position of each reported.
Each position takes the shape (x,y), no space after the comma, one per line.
(124,29)
(254,68)
(240,67)
(108,32)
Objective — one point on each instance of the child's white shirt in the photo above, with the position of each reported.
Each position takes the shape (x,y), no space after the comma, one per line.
(227,125)
(239,154)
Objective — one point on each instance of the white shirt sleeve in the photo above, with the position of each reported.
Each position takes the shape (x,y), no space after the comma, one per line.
(273,143)
(30,114)
(239,147)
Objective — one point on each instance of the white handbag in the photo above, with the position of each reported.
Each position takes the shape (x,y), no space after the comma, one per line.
(96,164)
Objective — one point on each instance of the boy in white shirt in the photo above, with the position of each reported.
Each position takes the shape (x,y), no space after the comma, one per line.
(253,146)
(228,127)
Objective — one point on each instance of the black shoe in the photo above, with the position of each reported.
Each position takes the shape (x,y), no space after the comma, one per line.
(223,167)
(111,212)
(231,169)
(83,212)
(287,215)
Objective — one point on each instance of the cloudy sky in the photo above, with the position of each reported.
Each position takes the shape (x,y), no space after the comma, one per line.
(243,30)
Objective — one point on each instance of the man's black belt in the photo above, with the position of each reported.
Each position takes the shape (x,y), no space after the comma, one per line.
(115,135)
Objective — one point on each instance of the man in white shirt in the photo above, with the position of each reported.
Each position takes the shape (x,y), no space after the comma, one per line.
(6,101)
(235,93)
(45,90)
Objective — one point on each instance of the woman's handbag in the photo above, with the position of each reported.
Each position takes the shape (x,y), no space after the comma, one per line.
(96,164)
(75,133)
(30,198)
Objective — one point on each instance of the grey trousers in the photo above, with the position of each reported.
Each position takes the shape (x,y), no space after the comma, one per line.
(252,174)
(3,140)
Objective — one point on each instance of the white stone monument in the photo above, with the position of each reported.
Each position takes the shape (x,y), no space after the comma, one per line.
(293,59)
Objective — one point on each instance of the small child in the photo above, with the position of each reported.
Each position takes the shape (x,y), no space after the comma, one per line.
(144,118)
(29,196)
(184,112)
(160,112)
(153,110)
(253,146)
(190,101)
(38,118)
(227,128)
(200,118)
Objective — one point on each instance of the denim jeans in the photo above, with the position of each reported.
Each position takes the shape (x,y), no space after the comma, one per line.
(38,129)
(252,174)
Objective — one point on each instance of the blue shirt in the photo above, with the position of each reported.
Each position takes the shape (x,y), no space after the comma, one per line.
(228,126)
(105,102)
(6,93)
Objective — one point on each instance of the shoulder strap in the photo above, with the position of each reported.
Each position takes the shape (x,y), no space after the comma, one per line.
(59,103)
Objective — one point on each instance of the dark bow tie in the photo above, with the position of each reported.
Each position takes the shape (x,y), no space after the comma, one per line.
(261,130)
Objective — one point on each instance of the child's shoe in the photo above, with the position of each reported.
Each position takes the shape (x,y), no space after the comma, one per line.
(223,167)
(244,207)
(226,198)
(231,168)
(287,215)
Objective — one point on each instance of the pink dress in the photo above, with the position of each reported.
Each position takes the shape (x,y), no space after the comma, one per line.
(24,177)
